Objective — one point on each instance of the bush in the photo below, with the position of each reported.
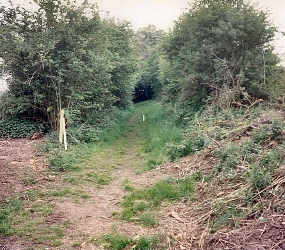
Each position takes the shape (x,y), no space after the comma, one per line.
(84,133)
(19,128)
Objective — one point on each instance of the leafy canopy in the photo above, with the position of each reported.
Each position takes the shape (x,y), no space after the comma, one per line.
(218,45)
(65,56)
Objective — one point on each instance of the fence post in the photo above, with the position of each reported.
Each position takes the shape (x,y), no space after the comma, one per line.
(62,130)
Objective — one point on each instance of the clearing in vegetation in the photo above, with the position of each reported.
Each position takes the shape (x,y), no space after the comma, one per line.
(122,193)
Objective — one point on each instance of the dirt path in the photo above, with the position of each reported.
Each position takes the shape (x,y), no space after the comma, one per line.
(87,218)
(95,217)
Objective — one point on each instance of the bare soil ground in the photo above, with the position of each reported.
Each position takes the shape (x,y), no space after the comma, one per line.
(18,159)
(19,164)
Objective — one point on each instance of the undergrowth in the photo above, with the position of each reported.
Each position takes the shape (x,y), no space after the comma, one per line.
(249,151)
(19,128)
(207,127)
(158,130)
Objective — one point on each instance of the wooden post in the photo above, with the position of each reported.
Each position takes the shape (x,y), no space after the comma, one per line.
(62,130)
(64,134)
(61,118)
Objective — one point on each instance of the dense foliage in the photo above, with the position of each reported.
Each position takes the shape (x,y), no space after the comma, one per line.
(65,56)
(219,48)
(147,43)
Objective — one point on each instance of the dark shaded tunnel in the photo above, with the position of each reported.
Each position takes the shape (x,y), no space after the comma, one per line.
(143,93)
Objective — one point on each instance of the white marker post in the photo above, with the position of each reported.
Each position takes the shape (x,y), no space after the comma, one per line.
(61,117)
(143,118)
(62,131)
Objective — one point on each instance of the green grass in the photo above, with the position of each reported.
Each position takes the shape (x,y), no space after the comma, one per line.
(9,209)
(28,220)
(138,204)
(148,219)
(127,140)
(69,192)
(158,130)
(116,241)
(127,185)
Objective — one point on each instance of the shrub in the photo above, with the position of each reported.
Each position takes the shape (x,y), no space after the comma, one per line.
(19,128)
(84,133)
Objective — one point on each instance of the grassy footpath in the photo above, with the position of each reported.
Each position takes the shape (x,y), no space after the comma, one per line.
(242,177)
(130,139)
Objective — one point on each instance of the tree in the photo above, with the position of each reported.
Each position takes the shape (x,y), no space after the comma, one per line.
(147,43)
(65,56)
(219,45)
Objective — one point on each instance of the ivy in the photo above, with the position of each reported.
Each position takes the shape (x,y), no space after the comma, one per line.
(18,128)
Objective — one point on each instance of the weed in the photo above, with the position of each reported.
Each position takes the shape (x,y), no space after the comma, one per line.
(51,235)
(103,180)
(149,220)
(276,128)
(8,209)
(230,157)
(35,195)
(157,131)
(43,209)
(271,159)
(262,134)
(68,192)
(30,177)
(249,150)
(147,243)
(127,185)
(116,241)
(61,160)
(205,128)
(29,220)
(225,215)
(259,177)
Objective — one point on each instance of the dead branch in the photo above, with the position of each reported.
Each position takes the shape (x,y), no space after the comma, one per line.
(252,105)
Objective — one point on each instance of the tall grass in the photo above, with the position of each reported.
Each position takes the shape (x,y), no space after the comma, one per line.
(158,130)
